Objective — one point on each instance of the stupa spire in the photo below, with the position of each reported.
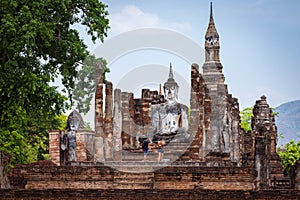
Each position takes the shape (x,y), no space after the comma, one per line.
(211,30)
(171,72)
(212,45)
(171,82)
(211,19)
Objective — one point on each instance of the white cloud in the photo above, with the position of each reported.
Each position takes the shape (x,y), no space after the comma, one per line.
(132,17)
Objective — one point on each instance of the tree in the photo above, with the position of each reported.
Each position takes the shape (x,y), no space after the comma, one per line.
(86,82)
(246,114)
(289,154)
(37,45)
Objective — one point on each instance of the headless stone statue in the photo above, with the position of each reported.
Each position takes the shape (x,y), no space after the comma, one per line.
(169,119)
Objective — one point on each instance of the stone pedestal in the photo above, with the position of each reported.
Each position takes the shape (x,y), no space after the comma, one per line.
(85,145)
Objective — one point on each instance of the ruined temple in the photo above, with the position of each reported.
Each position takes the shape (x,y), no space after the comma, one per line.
(205,146)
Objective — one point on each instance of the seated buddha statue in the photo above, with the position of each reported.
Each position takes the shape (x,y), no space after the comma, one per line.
(170,118)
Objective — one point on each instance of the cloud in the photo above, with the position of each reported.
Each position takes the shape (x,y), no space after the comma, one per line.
(132,17)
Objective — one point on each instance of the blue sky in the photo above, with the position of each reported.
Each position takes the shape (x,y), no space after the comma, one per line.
(259,42)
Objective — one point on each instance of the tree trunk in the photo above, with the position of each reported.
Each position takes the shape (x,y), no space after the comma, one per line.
(4,182)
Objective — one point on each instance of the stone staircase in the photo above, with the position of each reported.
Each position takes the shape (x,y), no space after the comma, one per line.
(173,151)
(125,180)
(133,167)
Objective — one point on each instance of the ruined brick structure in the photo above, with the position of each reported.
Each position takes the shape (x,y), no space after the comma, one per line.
(213,153)
(214,113)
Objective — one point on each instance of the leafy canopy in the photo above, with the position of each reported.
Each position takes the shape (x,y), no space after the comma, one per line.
(246,114)
(86,81)
(37,45)
(289,154)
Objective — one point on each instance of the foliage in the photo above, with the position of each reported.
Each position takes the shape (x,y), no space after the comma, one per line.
(37,45)
(289,154)
(86,82)
(31,144)
(246,114)
(87,126)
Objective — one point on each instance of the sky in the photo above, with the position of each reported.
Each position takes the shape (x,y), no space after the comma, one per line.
(259,42)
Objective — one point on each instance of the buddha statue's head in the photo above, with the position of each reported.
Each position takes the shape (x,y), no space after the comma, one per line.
(171,89)
(74,121)
(171,94)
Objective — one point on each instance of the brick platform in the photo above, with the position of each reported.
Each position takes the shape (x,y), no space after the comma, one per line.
(133,175)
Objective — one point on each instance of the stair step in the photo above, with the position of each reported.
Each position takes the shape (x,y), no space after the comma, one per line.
(132,181)
(122,175)
(134,185)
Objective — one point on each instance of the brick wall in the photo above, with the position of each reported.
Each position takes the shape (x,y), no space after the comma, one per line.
(104,177)
(84,146)
(54,146)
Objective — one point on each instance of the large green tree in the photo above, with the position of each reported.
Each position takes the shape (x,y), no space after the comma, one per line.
(38,44)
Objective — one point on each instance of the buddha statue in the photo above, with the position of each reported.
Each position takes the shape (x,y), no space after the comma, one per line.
(68,143)
(169,119)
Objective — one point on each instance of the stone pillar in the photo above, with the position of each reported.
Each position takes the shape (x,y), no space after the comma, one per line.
(117,126)
(54,146)
(214,81)
(261,162)
(207,115)
(236,129)
(194,113)
(226,132)
(146,105)
(132,124)
(136,119)
(99,129)
(125,96)
(273,133)
(89,137)
(260,125)
(108,122)
(203,103)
